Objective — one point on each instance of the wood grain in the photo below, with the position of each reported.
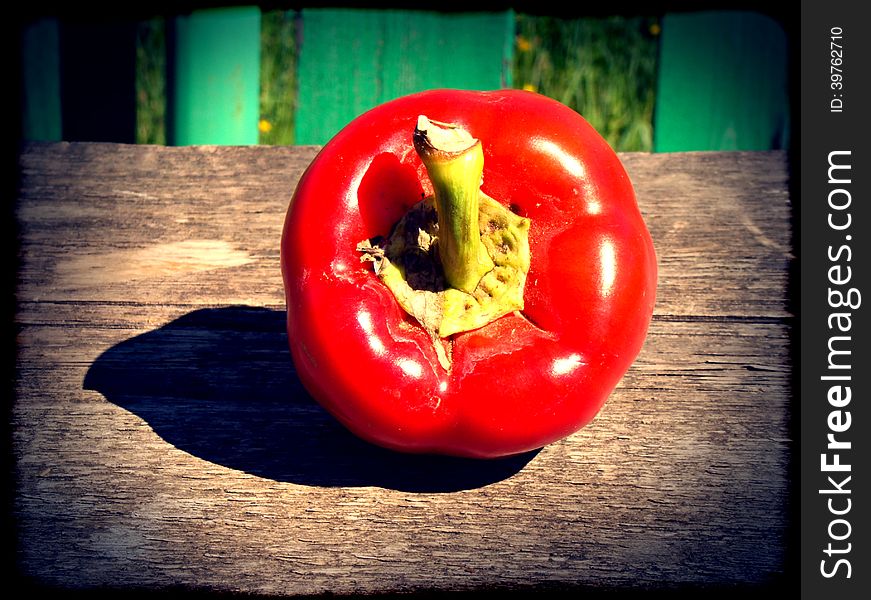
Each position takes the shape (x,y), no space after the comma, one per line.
(161,438)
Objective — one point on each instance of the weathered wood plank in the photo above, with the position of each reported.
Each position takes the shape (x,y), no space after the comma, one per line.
(161,437)
(161,463)
(719,222)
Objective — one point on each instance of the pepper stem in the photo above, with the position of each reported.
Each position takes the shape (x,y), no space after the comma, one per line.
(454,161)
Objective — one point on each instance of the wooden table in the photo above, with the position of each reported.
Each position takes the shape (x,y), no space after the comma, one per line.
(161,438)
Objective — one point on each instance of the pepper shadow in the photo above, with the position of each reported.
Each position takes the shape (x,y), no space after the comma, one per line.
(219,383)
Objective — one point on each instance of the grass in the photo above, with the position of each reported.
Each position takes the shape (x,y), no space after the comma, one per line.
(604,68)
(151,82)
(278,54)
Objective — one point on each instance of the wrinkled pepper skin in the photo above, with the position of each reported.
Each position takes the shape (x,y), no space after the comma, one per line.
(518,383)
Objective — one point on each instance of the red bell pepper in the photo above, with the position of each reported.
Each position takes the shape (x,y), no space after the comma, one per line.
(532,372)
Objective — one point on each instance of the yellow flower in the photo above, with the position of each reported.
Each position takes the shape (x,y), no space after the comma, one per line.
(523,44)
(264,126)
(529,87)
(655,29)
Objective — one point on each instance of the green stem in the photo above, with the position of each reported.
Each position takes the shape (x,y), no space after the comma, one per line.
(454,161)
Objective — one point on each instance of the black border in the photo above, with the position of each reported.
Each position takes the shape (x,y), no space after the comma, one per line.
(822,132)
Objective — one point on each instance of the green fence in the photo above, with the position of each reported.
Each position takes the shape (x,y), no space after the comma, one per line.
(679,81)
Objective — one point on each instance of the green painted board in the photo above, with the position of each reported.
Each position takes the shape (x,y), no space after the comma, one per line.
(41,107)
(351,60)
(722,83)
(216,77)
